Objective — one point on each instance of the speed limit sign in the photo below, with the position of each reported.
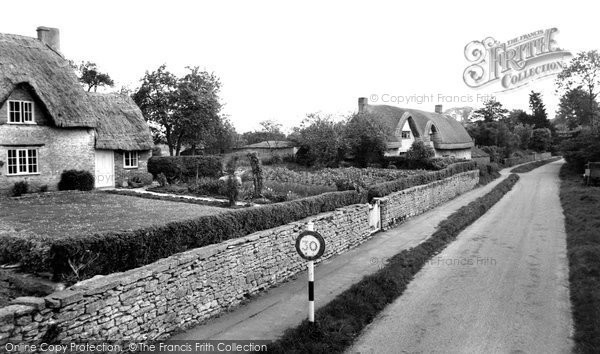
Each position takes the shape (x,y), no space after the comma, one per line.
(310,245)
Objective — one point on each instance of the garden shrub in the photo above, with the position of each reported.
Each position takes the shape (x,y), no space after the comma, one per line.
(185,167)
(419,153)
(76,180)
(119,251)
(19,188)
(161,179)
(257,173)
(581,149)
(383,189)
(140,179)
(205,186)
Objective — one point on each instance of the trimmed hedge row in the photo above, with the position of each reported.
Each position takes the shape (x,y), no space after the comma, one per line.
(167,198)
(119,251)
(533,165)
(339,323)
(383,189)
(185,167)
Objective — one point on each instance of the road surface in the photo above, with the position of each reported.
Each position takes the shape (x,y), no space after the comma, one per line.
(501,287)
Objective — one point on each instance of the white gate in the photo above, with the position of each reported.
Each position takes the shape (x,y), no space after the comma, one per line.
(375,215)
(105,168)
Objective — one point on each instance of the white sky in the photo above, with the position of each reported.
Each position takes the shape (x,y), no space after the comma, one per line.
(280,59)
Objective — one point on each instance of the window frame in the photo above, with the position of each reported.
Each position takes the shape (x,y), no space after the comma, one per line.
(18,165)
(21,111)
(129,159)
(408,134)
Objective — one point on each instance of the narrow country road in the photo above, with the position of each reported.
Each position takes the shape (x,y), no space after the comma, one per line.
(501,287)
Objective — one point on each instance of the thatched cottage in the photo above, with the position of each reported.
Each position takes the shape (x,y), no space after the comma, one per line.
(49,123)
(446,135)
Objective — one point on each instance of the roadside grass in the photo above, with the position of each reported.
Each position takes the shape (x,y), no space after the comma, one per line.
(581,206)
(533,165)
(73,214)
(340,322)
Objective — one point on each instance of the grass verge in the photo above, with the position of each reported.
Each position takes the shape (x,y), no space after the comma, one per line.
(339,322)
(533,165)
(581,206)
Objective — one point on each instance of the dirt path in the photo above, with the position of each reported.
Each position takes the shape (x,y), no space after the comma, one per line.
(501,287)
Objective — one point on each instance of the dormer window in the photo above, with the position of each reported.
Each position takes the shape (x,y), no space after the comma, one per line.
(20,112)
(406,134)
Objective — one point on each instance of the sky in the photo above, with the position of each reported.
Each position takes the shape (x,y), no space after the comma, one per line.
(279,60)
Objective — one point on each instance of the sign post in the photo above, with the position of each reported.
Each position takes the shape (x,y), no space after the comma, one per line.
(310,245)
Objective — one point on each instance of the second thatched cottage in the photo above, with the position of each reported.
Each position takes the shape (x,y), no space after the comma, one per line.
(49,123)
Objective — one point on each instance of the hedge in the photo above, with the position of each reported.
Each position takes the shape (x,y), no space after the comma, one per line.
(111,252)
(383,189)
(533,165)
(76,180)
(185,167)
(340,322)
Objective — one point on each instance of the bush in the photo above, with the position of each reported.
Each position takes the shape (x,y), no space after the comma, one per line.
(76,180)
(205,186)
(185,167)
(120,251)
(488,173)
(19,188)
(383,189)
(161,179)
(419,153)
(140,179)
(581,149)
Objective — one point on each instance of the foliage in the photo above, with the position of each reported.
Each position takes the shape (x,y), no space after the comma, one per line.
(257,173)
(581,149)
(185,167)
(76,180)
(19,188)
(580,207)
(120,251)
(494,134)
(162,179)
(488,173)
(491,111)
(583,72)
(205,186)
(91,77)
(140,179)
(340,322)
(576,110)
(541,139)
(538,117)
(418,153)
(320,139)
(232,182)
(270,131)
(183,110)
(383,189)
(523,133)
(365,138)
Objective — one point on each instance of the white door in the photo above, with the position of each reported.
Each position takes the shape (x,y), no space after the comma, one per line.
(105,168)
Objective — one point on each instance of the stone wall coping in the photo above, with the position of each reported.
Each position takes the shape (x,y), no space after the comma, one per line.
(424,186)
(35,302)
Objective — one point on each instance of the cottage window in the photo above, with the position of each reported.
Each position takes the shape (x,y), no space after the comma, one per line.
(22,161)
(406,134)
(130,159)
(20,112)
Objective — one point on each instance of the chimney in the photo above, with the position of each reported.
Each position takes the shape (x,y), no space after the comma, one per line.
(362,103)
(438,108)
(49,36)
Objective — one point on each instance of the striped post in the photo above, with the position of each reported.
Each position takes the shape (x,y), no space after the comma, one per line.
(311,282)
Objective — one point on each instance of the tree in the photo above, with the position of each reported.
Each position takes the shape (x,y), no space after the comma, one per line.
(365,137)
(270,131)
(524,132)
(538,117)
(516,117)
(181,110)
(91,77)
(156,99)
(419,153)
(583,72)
(491,111)
(320,139)
(574,109)
(541,139)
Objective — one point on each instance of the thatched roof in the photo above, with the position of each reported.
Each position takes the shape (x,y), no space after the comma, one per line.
(450,133)
(27,62)
(121,125)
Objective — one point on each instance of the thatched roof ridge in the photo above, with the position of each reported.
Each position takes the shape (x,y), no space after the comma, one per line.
(121,125)
(26,60)
(451,134)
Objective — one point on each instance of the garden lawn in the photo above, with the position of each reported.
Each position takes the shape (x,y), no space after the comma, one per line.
(66,214)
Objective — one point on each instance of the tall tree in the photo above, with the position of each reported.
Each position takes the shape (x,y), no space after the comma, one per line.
(270,130)
(538,117)
(320,139)
(91,77)
(574,109)
(491,111)
(365,136)
(583,72)
(156,98)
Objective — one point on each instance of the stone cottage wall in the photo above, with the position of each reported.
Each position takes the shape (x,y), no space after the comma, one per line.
(153,301)
(122,174)
(397,207)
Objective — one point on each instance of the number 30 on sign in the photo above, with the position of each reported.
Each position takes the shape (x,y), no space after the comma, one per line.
(310,245)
